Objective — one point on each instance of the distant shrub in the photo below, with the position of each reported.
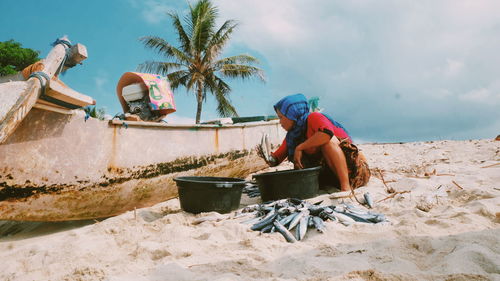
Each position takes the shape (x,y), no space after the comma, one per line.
(14,58)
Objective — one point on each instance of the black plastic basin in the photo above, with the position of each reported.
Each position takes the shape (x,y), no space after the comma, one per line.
(207,194)
(300,184)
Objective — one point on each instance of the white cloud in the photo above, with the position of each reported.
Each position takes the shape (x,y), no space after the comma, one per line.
(374,60)
(477,95)
(439,93)
(100,81)
(453,68)
(152,11)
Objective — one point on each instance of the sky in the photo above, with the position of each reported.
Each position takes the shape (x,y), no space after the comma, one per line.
(388,70)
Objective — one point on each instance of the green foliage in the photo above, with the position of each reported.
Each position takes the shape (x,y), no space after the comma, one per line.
(14,58)
(195,64)
(94,112)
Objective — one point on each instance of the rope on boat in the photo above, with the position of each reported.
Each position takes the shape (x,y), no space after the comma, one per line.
(40,75)
(67,46)
(62,41)
(44,82)
(121,116)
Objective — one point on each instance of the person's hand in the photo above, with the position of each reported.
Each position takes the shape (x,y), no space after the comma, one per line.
(271,161)
(297,158)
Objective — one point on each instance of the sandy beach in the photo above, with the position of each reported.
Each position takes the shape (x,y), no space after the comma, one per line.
(442,199)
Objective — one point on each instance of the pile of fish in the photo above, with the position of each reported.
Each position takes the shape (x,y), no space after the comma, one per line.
(252,190)
(286,214)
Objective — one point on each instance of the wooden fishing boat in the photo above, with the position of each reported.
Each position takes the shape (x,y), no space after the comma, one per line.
(56,166)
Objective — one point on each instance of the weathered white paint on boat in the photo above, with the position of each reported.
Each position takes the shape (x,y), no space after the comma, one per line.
(59,167)
(17,96)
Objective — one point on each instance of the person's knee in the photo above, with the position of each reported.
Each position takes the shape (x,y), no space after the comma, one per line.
(330,146)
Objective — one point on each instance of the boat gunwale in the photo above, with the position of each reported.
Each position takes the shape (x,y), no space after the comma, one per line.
(191,126)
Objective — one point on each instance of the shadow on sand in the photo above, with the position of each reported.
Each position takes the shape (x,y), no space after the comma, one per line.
(17,230)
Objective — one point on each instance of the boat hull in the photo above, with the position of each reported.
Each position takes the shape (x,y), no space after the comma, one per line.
(58,167)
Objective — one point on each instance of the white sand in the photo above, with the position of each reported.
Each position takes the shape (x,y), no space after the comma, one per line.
(456,237)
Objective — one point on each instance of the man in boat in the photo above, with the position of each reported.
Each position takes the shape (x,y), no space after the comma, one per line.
(315,139)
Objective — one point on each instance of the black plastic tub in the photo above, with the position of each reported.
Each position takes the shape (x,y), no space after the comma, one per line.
(207,194)
(300,184)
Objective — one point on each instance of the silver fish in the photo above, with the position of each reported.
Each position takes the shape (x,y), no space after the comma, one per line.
(310,222)
(319,224)
(343,218)
(241,215)
(297,218)
(368,199)
(267,144)
(251,208)
(281,229)
(252,220)
(301,229)
(266,220)
(286,220)
(264,149)
(315,210)
(267,229)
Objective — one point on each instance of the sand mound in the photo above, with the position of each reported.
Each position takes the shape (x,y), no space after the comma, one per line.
(444,213)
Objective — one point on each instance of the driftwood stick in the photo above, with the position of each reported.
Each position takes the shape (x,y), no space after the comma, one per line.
(492,165)
(381,176)
(393,195)
(387,188)
(457,185)
(340,196)
(354,195)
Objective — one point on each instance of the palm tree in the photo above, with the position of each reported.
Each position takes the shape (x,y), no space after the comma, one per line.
(195,64)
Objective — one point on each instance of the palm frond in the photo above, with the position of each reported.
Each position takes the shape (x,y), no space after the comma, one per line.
(178,78)
(221,91)
(219,40)
(182,35)
(241,71)
(164,48)
(239,59)
(162,68)
(224,107)
(203,17)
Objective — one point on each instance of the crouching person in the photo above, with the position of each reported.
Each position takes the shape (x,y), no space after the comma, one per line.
(315,139)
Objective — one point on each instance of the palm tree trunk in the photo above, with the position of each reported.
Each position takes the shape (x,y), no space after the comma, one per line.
(199,98)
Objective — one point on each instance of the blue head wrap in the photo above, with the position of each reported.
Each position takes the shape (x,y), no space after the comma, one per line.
(296,108)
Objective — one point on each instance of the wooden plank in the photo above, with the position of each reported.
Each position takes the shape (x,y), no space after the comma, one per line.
(78,53)
(61,92)
(53,108)
(44,102)
(27,98)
